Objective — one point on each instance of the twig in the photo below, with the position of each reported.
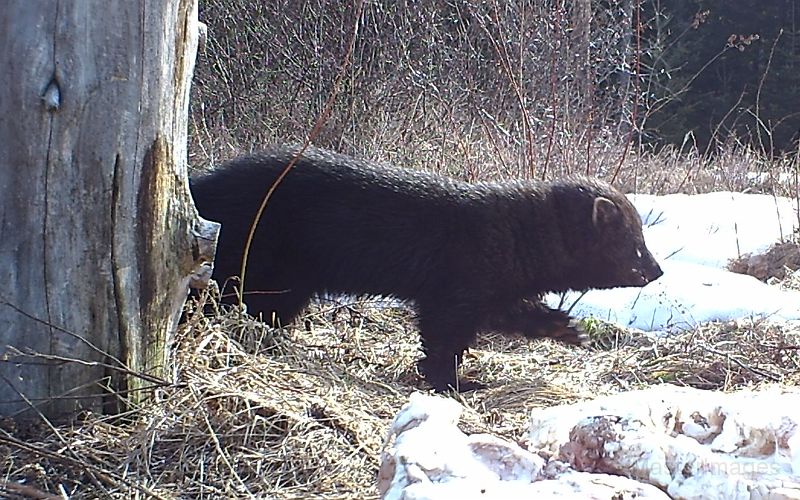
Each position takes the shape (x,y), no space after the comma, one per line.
(60,329)
(637,70)
(101,474)
(755,371)
(758,95)
(321,119)
(553,92)
(26,491)
(158,382)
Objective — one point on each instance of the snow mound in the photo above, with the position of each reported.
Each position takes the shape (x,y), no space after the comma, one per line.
(690,443)
(713,228)
(663,442)
(426,457)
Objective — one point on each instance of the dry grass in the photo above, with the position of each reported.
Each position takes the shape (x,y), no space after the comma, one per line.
(302,412)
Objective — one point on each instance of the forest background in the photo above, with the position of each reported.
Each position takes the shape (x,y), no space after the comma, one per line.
(513,88)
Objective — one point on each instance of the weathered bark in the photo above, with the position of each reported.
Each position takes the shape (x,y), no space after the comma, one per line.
(98,234)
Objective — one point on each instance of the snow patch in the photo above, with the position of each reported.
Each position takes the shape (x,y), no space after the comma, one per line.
(693,237)
(689,442)
(662,442)
(427,457)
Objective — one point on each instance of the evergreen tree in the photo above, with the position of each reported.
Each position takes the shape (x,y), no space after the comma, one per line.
(725,68)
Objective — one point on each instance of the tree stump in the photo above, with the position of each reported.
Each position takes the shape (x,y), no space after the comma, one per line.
(99,237)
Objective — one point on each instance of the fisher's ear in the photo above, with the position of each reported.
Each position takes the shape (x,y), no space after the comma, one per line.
(604,212)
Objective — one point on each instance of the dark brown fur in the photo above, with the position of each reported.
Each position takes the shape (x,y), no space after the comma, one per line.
(470,257)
